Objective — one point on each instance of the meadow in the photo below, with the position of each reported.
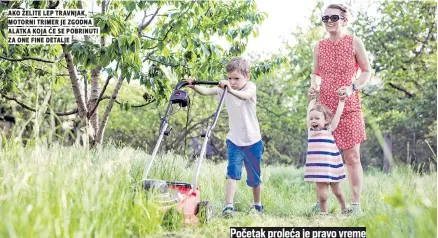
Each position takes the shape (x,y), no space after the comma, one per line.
(74,192)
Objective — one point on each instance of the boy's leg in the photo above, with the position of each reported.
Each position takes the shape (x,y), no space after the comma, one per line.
(337,191)
(322,191)
(257,191)
(253,157)
(230,190)
(234,172)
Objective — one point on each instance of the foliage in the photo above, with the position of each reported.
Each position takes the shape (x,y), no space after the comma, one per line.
(174,39)
(401,40)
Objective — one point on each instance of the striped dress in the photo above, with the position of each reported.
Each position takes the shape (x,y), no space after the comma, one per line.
(323,161)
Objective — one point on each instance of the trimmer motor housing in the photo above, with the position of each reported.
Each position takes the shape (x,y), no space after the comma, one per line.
(180,97)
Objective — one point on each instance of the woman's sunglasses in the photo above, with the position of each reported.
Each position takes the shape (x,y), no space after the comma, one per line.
(333,18)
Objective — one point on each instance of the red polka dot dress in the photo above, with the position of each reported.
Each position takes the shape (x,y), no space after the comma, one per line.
(337,67)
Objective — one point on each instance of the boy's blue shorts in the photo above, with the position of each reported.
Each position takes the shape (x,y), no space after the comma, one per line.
(250,155)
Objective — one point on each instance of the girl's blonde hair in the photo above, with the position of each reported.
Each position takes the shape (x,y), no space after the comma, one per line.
(325,111)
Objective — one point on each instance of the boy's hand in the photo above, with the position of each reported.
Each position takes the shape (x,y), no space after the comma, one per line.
(190,81)
(223,83)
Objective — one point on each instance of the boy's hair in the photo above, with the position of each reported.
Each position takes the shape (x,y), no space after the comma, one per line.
(240,64)
(343,8)
(325,110)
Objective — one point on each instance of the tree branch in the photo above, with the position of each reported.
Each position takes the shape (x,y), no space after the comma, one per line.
(74,111)
(400,88)
(271,112)
(45,71)
(161,62)
(33,109)
(165,36)
(136,106)
(170,23)
(126,18)
(102,92)
(18,102)
(369,95)
(100,96)
(28,58)
(85,88)
(144,104)
(147,57)
(151,38)
(158,15)
(102,125)
(186,132)
(142,27)
(75,85)
(426,40)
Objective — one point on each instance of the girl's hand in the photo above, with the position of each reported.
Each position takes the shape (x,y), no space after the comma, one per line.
(342,97)
(312,91)
(347,90)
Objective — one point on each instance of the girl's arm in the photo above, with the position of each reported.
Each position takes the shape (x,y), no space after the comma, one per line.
(315,69)
(311,105)
(337,116)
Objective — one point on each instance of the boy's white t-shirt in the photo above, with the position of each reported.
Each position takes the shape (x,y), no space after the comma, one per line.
(242,117)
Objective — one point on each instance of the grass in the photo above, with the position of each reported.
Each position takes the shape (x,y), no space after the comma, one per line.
(69,192)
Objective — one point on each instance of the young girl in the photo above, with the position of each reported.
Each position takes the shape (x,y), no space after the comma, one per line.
(324,162)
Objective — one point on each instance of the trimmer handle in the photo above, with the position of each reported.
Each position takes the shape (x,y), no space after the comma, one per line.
(205,82)
(196,82)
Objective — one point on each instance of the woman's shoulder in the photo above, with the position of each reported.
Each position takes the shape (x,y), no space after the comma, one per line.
(355,39)
(356,42)
(322,41)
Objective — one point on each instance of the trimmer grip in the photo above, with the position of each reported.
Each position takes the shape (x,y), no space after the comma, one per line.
(205,82)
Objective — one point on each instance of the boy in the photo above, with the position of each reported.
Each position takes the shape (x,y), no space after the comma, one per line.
(244,144)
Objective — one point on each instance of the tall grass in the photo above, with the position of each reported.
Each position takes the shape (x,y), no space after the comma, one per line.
(70,192)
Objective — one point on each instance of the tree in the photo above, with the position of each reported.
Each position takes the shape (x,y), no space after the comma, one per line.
(401,39)
(173,39)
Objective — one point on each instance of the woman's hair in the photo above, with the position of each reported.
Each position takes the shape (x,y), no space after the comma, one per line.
(344,10)
(326,111)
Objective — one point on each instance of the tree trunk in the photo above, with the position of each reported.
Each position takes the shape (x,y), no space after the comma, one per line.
(51,121)
(95,92)
(101,131)
(94,97)
(387,157)
(82,109)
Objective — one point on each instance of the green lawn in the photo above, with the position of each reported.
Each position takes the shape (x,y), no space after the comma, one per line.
(69,192)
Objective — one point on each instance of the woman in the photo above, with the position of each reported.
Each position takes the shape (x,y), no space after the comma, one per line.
(337,60)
